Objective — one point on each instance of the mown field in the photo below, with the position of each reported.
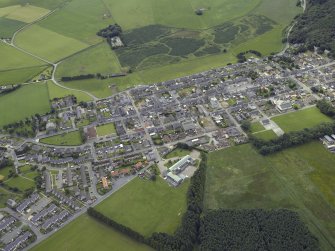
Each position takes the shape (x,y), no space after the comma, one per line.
(24,102)
(299,120)
(266,135)
(147,206)
(86,234)
(106,129)
(301,179)
(65,139)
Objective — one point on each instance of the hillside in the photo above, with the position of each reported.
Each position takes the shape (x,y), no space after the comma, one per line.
(316,27)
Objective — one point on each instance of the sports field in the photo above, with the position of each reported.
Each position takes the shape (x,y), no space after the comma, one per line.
(302,179)
(65,139)
(86,234)
(299,120)
(56,91)
(24,102)
(147,206)
(106,129)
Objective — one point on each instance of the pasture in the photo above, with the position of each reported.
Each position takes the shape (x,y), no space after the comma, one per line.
(301,179)
(9,26)
(106,129)
(64,139)
(47,44)
(24,102)
(56,91)
(23,13)
(147,206)
(86,234)
(306,118)
(21,75)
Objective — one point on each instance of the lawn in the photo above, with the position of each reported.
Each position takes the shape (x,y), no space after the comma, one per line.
(177,152)
(5,195)
(48,44)
(299,120)
(21,183)
(24,102)
(267,135)
(65,139)
(86,234)
(4,172)
(301,178)
(256,127)
(56,91)
(147,206)
(106,129)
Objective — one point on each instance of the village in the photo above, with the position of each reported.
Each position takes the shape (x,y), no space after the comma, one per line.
(131,134)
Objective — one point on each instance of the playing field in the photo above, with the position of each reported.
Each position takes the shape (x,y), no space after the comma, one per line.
(147,206)
(299,120)
(106,129)
(56,91)
(302,179)
(65,139)
(86,234)
(48,44)
(24,102)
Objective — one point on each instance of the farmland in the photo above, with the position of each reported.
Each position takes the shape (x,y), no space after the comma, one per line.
(147,206)
(86,234)
(301,179)
(24,102)
(299,120)
(65,139)
(59,92)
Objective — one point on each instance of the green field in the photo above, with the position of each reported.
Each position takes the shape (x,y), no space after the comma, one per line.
(48,44)
(178,152)
(106,129)
(26,13)
(299,120)
(22,183)
(24,102)
(86,234)
(256,127)
(302,179)
(56,91)
(9,26)
(5,195)
(266,135)
(147,206)
(65,139)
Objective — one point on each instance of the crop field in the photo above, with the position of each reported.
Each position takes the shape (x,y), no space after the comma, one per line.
(147,206)
(56,91)
(299,120)
(48,44)
(301,179)
(26,13)
(9,26)
(86,234)
(65,139)
(101,60)
(24,102)
(106,129)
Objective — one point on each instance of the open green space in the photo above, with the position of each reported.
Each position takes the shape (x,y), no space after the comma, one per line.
(306,118)
(177,152)
(21,75)
(24,13)
(14,59)
(86,234)
(4,172)
(106,129)
(56,91)
(147,206)
(101,60)
(5,195)
(9,26)
(48,44)
(266,135)
(301,179)
(21,183)
(24,102)
(65,139)
(256,127)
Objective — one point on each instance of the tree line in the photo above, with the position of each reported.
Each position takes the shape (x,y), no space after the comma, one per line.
(255,229)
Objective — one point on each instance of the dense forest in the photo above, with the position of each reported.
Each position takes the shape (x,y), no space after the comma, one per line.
(316,27)
(255,229)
